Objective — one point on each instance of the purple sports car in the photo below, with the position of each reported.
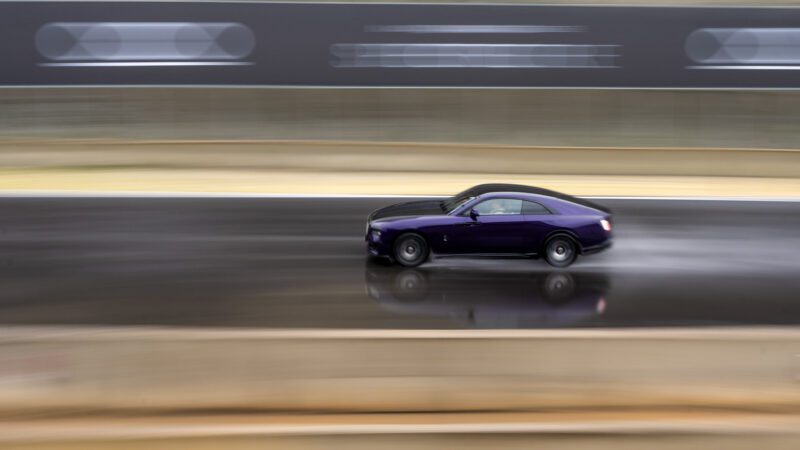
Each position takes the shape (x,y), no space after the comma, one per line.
(491,220)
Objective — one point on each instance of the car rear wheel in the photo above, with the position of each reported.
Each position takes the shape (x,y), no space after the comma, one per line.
(410,250)
(560,251)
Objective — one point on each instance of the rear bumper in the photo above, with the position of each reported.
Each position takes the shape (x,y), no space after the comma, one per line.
(596,248)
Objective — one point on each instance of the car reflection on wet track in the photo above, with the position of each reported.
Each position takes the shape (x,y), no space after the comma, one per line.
(490,299)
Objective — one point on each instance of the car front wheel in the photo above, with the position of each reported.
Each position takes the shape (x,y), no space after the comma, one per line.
(410,250)
(560,251)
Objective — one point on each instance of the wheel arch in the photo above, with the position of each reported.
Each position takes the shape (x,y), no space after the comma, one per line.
(562,232)
(402,232)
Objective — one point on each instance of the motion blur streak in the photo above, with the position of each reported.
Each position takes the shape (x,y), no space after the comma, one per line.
(492,29)
(137,41)
(429,55)
(481,388)
(748,67)
(750,46)
(146,64)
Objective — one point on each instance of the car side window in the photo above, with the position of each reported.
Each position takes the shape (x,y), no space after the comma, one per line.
(534,209)
(499,206)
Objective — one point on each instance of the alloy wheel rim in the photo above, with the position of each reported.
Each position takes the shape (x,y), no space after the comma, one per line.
(560,251)
(409,250)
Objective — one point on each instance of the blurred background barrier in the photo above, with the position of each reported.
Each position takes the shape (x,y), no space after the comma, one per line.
(411,141)
(399,141)
(390,157)
(151,370)
(572,118)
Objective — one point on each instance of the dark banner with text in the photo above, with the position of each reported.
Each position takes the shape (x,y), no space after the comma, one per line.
(397,45)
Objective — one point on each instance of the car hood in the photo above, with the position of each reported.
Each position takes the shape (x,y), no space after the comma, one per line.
(409,209)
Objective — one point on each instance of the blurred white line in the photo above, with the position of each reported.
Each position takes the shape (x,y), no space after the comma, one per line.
(747,67)
(459,45)
(701,199)
(455,55)
(473,29)
(401,86)
(88,333)
(168,194)
(23,432)
(147,64)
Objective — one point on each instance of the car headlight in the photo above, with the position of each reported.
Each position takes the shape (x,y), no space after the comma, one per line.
(376,234)
(606,225)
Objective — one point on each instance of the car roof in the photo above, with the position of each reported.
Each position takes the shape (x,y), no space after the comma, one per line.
(482,189)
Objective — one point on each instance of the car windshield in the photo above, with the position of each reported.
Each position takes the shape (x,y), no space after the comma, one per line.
(452,203)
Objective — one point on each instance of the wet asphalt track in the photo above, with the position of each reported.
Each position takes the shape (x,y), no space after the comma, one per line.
(287,263)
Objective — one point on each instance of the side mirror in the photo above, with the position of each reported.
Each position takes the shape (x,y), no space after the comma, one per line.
(473,214)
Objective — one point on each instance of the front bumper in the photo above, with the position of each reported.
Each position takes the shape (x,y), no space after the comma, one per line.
(376,245)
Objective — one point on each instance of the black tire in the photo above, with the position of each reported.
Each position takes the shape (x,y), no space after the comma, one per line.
(560,251)
(410,250)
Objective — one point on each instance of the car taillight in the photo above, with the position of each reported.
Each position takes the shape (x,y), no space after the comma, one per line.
(606,225)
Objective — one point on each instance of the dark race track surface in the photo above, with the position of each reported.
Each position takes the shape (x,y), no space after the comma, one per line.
(288,263)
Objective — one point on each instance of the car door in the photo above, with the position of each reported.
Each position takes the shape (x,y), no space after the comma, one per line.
(499,229)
